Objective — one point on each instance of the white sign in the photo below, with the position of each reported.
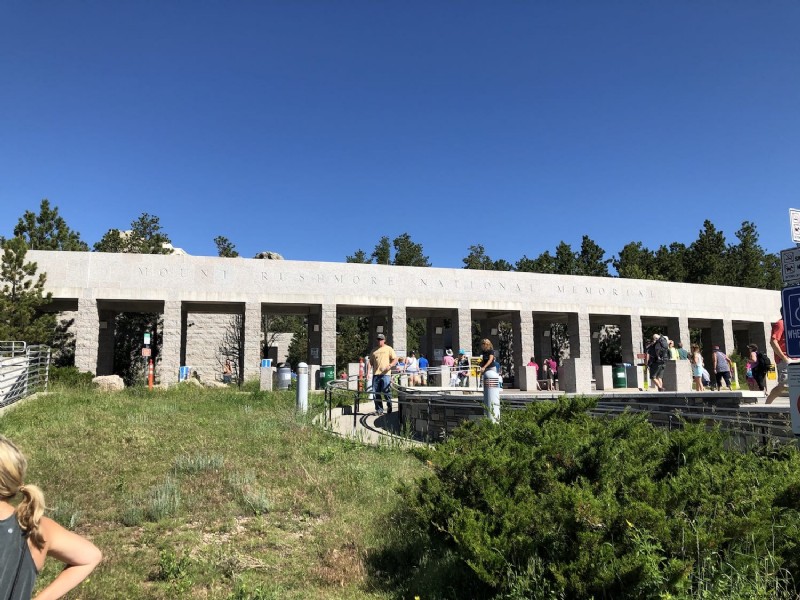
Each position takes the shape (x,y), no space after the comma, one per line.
(794,396)
(146,339)
(790,265)
(794,217)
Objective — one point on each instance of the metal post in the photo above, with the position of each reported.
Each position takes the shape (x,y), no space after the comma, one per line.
(302,388)
(491,394)
(150,375)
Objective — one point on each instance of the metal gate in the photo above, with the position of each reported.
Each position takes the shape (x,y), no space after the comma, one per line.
(24,370)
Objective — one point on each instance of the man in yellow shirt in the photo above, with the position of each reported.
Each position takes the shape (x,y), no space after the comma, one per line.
(382,360)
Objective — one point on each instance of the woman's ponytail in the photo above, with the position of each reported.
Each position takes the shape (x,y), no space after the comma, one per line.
(12,476)
(30,511)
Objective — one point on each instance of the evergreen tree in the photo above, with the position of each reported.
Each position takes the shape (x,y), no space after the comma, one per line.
(22,297)
(382,255)
(225,248)
(145,237)
(478,259)
(408,253)
(359,257)
(748,263)
(635,262)
(566,262)
(670,262)
(706,258)
(48,231)
(591,259)
(544,263)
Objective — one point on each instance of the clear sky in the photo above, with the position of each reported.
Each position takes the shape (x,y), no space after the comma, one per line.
(313,128)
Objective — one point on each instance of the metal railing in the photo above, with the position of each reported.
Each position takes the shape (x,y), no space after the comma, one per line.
(24,370)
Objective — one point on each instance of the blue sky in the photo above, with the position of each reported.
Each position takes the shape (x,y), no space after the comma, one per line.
(312,128)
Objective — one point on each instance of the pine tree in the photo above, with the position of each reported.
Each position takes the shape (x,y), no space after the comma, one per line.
(48,231)
(22,298)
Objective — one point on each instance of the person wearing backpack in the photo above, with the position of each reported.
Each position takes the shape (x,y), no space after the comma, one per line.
(658,355)
(757,367)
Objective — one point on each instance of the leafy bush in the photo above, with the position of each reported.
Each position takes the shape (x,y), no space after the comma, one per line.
(70,377)
(553,502)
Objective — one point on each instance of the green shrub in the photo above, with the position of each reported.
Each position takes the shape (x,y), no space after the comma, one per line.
(553,502)
(70,377)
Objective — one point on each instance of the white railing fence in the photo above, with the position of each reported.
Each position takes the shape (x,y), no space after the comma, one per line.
(24,370)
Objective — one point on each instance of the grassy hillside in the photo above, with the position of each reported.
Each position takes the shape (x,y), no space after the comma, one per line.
(213,494)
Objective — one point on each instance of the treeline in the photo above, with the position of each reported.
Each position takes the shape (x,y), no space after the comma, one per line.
(710,259)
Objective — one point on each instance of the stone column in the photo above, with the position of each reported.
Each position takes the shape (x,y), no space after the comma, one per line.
(171,335)
(462,330)
(760,334)
(678,331)
(251,367)
(328,334)
(522,322)
(87,335)
(399,326)
(630,331)
(594,330)
(542,343)
(722,335)
(105,350)
(314,339)
(580,335)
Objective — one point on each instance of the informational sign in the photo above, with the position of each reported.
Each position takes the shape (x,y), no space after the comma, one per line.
(790,298)
(794,217)
(790,265)
(145,351)
(794,396)
(146,339)
(314,352)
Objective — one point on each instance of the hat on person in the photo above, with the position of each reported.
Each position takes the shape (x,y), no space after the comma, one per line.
(716,347)
(656,336)
(381,336)
(462,351)
(449,352)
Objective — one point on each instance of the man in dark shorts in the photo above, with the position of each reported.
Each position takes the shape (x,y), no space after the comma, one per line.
(656,361)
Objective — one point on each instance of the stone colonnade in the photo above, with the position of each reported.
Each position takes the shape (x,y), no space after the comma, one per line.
(95,286)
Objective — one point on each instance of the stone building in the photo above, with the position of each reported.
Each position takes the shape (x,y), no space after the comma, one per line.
(185,290)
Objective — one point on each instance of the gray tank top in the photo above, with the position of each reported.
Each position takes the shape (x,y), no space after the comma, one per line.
(17,569)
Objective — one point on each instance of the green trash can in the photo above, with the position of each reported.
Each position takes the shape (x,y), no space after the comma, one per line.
(327,373)
(619,376)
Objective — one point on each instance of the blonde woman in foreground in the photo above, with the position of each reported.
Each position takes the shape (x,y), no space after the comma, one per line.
(27,537)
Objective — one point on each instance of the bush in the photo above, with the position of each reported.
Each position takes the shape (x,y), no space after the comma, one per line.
(70,377)
(553,502)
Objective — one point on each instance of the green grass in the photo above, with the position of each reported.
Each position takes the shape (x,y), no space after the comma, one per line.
(211,494)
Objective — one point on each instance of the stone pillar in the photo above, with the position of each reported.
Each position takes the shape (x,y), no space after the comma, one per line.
(522,323)
(328,335)
(722,335)
(630,331)
(594,328)
(526,379)
(677,376)
(542,342)
(462,330)
(314,340)
(759,334)
(399,326)
(575,376)
(678,331)
(87,335)
(105,350)
(251,367)
(580,336)
(171,335)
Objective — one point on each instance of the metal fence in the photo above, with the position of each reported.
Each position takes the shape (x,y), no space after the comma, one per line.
(24,370)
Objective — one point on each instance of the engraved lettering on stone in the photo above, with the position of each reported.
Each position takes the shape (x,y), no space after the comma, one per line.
(264,276)
(338,278)
(204,272)
(163,272)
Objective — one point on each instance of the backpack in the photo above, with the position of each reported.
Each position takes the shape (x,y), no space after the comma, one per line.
(763,363)
(662,350)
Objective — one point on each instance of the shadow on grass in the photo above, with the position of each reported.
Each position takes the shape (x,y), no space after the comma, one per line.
(411,564)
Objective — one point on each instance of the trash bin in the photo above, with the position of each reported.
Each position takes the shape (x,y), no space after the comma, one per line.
(327,373)
(183,373)
(284,376)
(619,376)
